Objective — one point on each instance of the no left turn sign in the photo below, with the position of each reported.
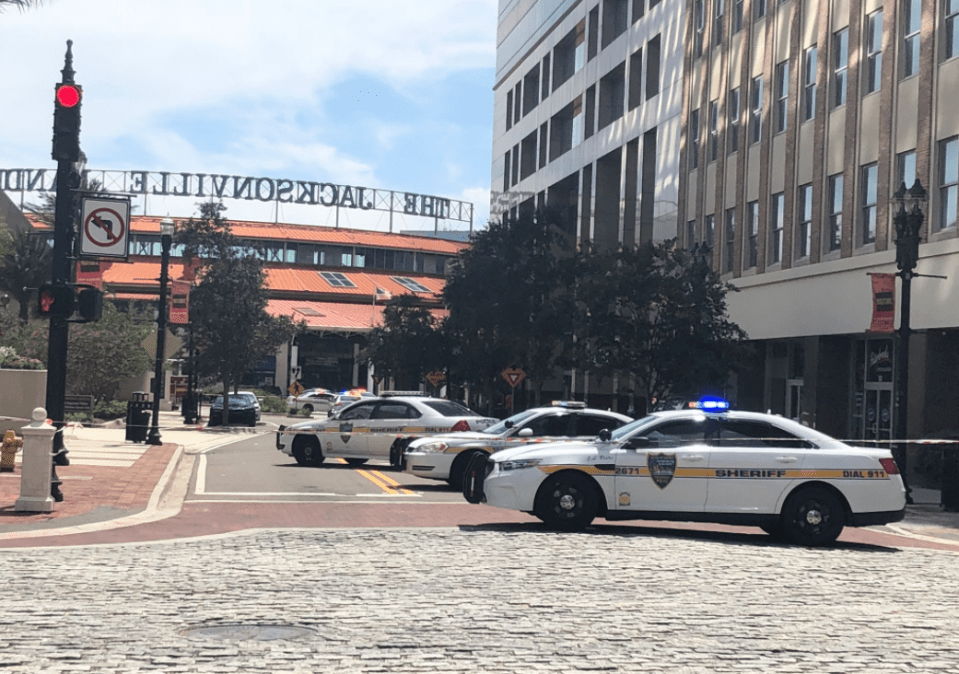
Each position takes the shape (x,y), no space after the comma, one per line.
(104,229)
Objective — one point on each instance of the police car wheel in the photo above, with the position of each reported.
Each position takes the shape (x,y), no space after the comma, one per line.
(567,502)
(813,516)
(306,451)
(459,468)
(356,462)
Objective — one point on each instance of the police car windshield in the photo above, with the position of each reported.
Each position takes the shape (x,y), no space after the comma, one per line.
(509,422)
(625,431)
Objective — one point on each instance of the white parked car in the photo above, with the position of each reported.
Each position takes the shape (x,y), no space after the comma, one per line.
(367,429)
(446,456)
(312,400)
(694,465)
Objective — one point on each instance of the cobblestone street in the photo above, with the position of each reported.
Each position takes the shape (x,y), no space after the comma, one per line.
(485,599)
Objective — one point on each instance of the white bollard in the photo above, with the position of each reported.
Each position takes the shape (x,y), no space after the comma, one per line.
(37,465)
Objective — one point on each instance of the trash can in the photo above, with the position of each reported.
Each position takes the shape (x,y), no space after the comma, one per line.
(188,407)
(138,417)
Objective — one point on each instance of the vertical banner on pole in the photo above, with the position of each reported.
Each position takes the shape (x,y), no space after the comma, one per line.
(180,302)
(883,303)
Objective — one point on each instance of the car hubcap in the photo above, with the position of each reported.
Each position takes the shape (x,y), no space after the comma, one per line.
(814,517)
(567,502)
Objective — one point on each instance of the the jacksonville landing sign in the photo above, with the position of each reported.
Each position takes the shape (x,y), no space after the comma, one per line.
(284,191)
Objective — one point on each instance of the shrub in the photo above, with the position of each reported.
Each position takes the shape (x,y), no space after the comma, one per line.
(80,417)
(9,360)
(113,409)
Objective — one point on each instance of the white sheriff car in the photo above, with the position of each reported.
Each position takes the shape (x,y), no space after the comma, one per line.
(445,457)
(695,465)
(368,429)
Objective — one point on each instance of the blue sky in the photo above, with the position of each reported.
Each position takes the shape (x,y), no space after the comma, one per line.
(377,93)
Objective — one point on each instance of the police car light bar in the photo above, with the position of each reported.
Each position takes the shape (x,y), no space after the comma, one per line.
(713,405)
(569,404)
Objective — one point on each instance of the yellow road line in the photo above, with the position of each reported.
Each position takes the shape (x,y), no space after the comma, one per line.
(381,480)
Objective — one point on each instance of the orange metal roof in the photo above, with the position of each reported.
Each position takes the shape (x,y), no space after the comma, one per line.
(309,234)
(334,315)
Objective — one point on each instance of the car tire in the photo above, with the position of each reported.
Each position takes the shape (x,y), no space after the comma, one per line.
(459,468)
(567,502)
(306,450)
(308,408)
(813,516)
(356,462)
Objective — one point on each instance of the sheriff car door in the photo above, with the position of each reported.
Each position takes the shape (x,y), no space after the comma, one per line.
(752,464)
(390,419)
(348,434)
(664,467)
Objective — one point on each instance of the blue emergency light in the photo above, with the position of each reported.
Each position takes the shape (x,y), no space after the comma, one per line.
(713,405)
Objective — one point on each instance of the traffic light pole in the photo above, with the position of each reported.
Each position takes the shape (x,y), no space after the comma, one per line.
(67,183)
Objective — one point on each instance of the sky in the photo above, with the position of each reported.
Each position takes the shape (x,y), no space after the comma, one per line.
(374,93)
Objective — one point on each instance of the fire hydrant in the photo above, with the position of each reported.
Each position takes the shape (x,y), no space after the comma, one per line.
(8,451)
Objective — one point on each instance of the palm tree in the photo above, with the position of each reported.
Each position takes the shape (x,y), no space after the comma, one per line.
(25,267)
(19,4)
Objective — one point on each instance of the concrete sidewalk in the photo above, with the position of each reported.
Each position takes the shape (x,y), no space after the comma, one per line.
(109,482)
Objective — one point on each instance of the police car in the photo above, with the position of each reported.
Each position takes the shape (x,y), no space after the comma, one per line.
(445,457)
(707,464)
(368,429)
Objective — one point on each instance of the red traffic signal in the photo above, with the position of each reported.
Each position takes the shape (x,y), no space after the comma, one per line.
(56,301)
(68,95)
(66,122)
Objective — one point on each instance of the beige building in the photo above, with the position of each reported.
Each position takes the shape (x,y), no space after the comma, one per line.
(801,118)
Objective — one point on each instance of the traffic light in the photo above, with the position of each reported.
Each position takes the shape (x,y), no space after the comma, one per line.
(56,301)
(66,122)
(90,304)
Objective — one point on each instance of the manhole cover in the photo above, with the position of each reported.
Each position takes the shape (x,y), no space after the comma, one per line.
(239,632)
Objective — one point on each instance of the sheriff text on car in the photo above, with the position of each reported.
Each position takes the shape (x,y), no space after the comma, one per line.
(445,457)
(369,428)
(698,465)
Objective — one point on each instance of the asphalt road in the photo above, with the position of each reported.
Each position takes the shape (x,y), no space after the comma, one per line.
(254,470)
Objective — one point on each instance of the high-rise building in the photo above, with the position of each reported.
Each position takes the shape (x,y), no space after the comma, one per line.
(587,98)
(801,118)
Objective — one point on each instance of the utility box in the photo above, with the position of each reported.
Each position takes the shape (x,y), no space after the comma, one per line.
(138,417)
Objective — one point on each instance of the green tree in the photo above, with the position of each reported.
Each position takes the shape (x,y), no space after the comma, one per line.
(409,344)
(657,312)
(103,353)
(510,300)
(231,326)
(25,265)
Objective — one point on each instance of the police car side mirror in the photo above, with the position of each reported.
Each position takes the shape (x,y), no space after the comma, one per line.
(525,433)
(637,443)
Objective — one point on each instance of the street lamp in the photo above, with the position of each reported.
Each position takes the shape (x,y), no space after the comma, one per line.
(907,224)
(167,228)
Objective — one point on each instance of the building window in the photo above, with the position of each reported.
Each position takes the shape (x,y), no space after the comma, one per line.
(756,110)
(873,52)
(906,169)
(752,241)
(694,139)
(506,171)
(718,22)
(730,239)
(912,21)
(840,51)
(612,92)
(870,192)
(951,29)
(639,8)
(699,27)
(760,8)
(737,18)
(690,234)
(809,84)
(782,96)
(531,90)
(528,156)
(543,144)
(635,79)
(732,121)
(592,34)
(569,55)
(614,19)
(834,239)
(509,109)
(590,120)
(544,92)
(948,181)
(804,221)
(337,280)
(652,67)
(709,230)
(713,130)
(777,212)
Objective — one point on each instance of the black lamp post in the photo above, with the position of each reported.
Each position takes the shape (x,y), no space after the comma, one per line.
(167,228)
(907,224)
